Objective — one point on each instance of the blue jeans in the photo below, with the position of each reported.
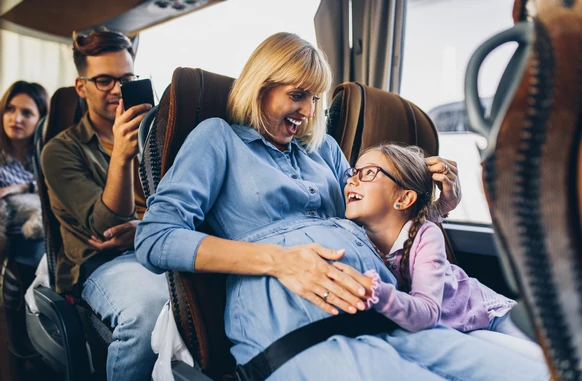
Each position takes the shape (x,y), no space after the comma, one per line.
(440,353)
(504,324)
(503,332)
(130,298)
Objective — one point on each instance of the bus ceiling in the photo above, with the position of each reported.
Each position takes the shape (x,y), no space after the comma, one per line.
(55,20)
(362,39)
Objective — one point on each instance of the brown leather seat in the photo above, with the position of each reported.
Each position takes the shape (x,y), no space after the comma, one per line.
(66,109)
(532,176)
(197,299)
(361,116)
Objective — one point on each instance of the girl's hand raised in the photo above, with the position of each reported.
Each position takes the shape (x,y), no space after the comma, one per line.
(305,270)
(446,175)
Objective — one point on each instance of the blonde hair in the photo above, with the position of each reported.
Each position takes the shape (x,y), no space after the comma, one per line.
(412,171)
(282,59)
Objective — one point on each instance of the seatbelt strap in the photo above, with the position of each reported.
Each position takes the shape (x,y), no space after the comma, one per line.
(275,355)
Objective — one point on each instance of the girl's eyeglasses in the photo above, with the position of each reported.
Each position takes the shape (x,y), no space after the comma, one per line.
(368,173)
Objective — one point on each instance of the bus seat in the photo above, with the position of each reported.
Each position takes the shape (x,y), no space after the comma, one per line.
(197,299)
(531,173)
(361,116)
(62,327)
(66,109)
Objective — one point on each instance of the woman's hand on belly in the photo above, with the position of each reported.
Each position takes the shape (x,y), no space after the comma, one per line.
(305,270)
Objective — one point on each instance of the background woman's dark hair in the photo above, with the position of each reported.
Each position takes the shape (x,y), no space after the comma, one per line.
(33,90)
(413,173)
(97,42)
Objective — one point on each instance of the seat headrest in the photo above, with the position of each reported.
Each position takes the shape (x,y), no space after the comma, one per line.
(361,117)
(66,109)
(194,95)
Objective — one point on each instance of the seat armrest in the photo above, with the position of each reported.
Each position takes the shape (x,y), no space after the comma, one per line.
(66,319)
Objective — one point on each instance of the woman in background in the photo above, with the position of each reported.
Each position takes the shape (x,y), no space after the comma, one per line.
(22,106)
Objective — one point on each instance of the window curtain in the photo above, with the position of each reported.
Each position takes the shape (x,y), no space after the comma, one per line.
(35,60)
(363,40)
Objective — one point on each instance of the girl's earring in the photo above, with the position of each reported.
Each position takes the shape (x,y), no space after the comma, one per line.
(397,206)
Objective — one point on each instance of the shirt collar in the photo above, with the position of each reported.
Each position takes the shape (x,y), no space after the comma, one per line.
(86,131)
(402,237)
(249,134)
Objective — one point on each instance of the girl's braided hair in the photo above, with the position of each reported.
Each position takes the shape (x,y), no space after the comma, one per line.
(412,171)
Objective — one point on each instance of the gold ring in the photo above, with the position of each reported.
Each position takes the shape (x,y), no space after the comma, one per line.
(325,295)
(446,170)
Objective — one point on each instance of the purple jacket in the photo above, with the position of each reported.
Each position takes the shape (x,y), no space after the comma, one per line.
(441,293)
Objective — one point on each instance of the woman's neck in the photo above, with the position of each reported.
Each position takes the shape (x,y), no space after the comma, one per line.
(20,150)
(385,232)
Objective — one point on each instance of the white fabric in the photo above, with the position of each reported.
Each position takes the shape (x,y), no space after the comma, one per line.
(402,237)
(41,279)
(168,344)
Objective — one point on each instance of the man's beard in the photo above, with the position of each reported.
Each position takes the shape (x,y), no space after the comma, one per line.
(107,115)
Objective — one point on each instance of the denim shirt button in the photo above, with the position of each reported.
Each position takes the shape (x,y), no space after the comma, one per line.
(312,214)
(311,190)
(293,176)
(359,243)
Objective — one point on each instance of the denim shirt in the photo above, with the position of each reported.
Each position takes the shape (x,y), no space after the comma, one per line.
(248,190)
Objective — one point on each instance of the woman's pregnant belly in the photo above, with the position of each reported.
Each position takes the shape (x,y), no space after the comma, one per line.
(259,309)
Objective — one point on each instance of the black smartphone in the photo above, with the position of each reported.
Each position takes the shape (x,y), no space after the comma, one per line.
(137,92)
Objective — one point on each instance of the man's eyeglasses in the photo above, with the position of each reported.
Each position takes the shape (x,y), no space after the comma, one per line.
(368,173)
(106,82)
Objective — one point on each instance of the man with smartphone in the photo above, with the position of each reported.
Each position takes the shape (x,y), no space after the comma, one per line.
(91,172)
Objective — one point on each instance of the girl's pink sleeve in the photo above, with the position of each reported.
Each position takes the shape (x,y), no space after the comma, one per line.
(421,308)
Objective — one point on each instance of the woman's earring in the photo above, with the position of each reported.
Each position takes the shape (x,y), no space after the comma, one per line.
(397,206)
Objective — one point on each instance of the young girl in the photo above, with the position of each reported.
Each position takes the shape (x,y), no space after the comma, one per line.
(389,193)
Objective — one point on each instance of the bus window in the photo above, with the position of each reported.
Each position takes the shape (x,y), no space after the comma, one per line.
(440,38)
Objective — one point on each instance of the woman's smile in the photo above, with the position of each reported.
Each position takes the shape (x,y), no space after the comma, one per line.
(288,108)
